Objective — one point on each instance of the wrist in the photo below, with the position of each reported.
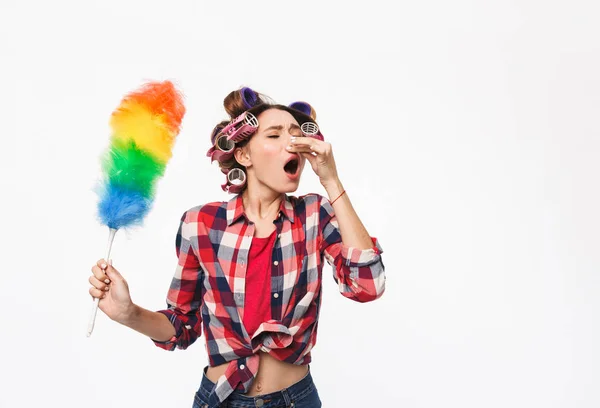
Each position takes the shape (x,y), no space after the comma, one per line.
(130,315)
(334,188)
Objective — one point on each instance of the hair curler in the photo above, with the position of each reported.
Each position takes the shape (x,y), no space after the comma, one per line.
(248,97)
(222,149)
(225,145)
(236,179)
(241,127)
(302,107)
(224,141)
(311,129)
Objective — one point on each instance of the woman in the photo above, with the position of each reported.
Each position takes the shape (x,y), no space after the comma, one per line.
(249,269)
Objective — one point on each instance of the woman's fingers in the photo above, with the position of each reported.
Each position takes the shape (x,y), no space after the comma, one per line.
(303,141)
(97,293)
(113,274)
(300,149)
(99,271)
(100,274)
(102,263)
(99,280)
(311,144)
(98,284)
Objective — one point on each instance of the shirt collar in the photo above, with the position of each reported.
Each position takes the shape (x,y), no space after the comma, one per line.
(235,209)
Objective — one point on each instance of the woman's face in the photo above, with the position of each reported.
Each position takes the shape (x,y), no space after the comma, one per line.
(270,162)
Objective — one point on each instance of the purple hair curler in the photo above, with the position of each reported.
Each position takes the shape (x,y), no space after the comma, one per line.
(310,129)
(248,96)
(302,107)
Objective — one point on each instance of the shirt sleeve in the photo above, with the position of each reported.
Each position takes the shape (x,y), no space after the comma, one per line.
(359,273)
(184,297)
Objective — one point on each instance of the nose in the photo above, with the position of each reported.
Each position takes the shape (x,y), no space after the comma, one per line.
(287,137)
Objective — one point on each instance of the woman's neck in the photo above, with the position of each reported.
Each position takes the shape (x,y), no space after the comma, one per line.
(261,204)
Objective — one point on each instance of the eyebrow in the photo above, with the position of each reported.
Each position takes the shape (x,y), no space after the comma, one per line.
(280,127)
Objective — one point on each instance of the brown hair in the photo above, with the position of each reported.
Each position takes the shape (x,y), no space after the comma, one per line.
(246,99)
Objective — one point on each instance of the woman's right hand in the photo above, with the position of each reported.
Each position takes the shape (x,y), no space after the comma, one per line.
(112,289)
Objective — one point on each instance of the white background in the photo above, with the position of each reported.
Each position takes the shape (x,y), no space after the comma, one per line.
(466,134)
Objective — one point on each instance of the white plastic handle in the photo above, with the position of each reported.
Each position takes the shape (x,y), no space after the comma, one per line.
(111,237)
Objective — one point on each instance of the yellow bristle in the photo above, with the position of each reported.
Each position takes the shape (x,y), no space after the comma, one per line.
(133,121)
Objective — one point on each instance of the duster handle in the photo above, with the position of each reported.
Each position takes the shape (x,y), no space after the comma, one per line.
(111,237)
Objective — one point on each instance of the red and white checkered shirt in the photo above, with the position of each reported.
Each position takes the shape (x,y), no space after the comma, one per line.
(208,289)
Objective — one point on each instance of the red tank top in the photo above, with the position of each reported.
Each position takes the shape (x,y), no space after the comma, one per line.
(257,306)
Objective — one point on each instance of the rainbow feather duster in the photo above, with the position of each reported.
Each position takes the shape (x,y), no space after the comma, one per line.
(144,127)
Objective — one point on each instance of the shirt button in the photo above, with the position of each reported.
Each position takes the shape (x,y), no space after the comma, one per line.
(242,367)
(276,295)
(276,263)
(242,263)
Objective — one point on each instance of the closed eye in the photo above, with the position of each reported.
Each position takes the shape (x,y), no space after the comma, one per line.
(273,136)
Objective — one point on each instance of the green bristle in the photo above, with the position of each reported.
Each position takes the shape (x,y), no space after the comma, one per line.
(131,168)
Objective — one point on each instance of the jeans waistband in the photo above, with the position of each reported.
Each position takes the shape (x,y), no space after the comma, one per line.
(277,398)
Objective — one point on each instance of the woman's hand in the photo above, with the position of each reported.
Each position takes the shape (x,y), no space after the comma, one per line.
(112,289)
(319,155)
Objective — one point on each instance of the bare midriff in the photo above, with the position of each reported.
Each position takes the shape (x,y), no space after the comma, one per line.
(273,375)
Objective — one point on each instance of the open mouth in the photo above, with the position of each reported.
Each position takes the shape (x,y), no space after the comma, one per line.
(291,167)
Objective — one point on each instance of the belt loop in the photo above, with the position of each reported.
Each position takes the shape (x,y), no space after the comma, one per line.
(286,397)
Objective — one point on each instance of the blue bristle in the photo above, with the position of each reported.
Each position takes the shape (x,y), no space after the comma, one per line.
(119,208)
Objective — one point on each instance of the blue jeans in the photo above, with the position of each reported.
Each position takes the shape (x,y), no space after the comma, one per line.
(302,394)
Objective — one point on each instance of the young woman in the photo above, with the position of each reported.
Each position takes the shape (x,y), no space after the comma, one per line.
(249,269)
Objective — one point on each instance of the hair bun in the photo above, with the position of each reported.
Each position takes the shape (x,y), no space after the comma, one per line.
(305,108)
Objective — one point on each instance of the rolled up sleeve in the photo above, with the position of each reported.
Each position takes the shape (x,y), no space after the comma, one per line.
(184,297)
(359,273)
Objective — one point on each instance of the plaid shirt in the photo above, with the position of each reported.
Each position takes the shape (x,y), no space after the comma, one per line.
(208,288)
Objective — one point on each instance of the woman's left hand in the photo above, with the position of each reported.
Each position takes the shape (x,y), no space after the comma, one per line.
(319,155)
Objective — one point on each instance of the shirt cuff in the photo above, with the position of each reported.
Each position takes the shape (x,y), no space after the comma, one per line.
(177,324)
(362,257)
